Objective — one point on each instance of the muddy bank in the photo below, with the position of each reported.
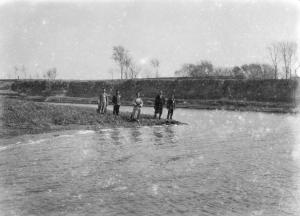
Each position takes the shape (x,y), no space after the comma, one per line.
(27,117)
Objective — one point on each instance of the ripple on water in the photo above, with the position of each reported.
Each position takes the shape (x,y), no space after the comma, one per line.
(222,163)
(19,144)
(82,132)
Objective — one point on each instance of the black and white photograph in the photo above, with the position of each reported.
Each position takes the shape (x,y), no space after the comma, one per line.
(149,108)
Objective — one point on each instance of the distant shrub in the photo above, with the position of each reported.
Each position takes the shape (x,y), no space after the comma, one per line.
(195,88)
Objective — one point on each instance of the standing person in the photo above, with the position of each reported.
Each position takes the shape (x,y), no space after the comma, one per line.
(102,103)
(171,105)
(159,104)
(116,100)
(137,105)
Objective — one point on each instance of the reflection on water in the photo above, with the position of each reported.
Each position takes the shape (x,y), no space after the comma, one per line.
(170,134)
(158,136)
(164,135)
(116,136)
(222,163)
(135,135)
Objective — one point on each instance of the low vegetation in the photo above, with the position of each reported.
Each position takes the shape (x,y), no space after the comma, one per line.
(22,117)
(184,88)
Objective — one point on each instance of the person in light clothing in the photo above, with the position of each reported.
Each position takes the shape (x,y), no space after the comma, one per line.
(137,105)
(102,102)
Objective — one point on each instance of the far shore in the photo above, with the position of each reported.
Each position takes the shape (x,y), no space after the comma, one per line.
(223,104)
(272,96)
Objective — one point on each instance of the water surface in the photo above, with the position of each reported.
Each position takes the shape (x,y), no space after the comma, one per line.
(221,163)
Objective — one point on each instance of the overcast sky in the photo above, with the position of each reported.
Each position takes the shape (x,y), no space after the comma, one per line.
(77,37)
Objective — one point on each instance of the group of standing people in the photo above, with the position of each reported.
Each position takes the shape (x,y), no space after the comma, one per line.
(137,105)
(103,102)
(159,105)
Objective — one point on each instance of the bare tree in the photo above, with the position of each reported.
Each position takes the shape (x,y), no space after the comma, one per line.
(127,63)
(23,69)
(297,66)
(268,72)
(204,68)
(155,64)
(274,53)
(16,69)
(120,56)
(134,70)
(51,74)
(288,53)
(187,70)
(238,72)
(222,71)
(258,71)
(111,71)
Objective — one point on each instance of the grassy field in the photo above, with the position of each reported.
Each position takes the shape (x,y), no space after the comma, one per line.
(20,117)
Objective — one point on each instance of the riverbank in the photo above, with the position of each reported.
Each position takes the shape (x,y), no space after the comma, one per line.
(222,104)
(28,117)
(201,88)
(273,96)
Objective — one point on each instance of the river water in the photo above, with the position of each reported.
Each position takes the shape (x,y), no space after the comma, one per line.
(221,163)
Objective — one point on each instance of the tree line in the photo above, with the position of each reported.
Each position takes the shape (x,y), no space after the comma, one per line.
(20,72)
(283,64)
(282,56)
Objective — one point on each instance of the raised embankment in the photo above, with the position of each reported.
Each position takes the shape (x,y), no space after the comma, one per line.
(198,93)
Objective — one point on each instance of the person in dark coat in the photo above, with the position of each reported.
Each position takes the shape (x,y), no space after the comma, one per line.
(116,100)
(171,105)
(159,104)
